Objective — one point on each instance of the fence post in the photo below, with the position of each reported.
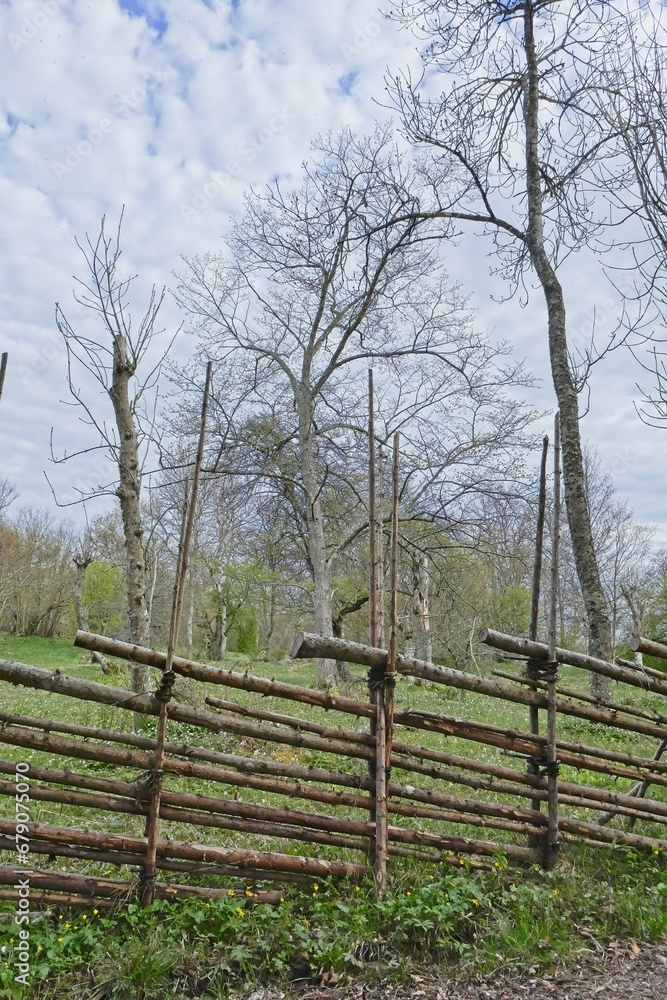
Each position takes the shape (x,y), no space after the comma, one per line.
(385,703)
(551,670)
(374,681)
(168,677)
(533,666)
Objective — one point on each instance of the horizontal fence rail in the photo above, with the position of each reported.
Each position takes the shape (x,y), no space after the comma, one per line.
(332,808)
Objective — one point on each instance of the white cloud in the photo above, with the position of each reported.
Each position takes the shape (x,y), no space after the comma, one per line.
(188,106)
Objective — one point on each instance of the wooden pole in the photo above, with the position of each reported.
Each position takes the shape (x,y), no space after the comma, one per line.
(372,519)
(532,669)
(385,702)
(237,857)
(166,687)
(552,664)
(373,693)
(380,549)
(3,371)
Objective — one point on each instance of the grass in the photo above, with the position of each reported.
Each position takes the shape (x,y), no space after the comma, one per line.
(471,920)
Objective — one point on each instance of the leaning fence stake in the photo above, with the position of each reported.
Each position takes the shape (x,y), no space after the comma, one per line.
(533,668)
(552,666)
(166,686)
(385,705)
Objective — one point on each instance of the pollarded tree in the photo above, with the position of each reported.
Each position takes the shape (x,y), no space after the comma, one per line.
(318,283)
(118,359)
(519,129)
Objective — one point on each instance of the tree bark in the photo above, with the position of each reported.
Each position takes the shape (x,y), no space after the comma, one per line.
(129,495)
(317,549)
(82,563)
(420,608)
(578,514)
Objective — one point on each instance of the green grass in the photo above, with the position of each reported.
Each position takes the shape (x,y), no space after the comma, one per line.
(521,917)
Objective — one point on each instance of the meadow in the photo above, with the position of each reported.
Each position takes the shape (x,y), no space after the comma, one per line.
(464,918)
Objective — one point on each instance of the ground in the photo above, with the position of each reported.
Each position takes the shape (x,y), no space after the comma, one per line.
(635,972)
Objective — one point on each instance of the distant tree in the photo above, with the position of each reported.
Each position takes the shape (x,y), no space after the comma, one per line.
(119,359)
(523,153)
(318,283)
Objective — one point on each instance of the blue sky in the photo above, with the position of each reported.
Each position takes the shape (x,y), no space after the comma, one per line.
(118,102)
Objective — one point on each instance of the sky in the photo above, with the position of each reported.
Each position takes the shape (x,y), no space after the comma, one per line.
(173,109)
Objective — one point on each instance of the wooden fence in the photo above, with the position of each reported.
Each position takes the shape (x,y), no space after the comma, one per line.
(438,793)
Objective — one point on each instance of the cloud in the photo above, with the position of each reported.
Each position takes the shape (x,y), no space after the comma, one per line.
(174,109)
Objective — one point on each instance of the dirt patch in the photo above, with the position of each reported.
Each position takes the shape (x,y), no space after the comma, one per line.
(635,972)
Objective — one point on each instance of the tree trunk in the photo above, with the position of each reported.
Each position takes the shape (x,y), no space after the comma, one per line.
(82,563)
(317,550)
(189,627)
(219,643)
(576,502)
(637,612)
(129,495)
(421,629)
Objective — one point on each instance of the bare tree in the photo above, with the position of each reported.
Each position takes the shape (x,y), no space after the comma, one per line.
(321,281)
(119,359)
(518,127)
(8,494)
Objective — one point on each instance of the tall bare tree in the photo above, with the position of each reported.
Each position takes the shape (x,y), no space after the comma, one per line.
(121,360)
(518,125)
(321,281)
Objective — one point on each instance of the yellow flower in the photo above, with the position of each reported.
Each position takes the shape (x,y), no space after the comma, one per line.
(96,912)
(555,892)
(357,889)
(408,894)
(39,947)
(67,927)
(59,940)
(60,917)
(230,892)
(432,878)
(84,917)
(475,902)
(316,888)
(461,861)
(282,899)
(248,892)
(240,912)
